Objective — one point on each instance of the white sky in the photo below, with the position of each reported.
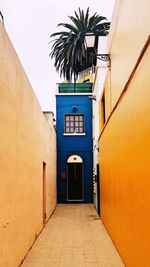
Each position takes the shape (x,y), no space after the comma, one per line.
(29,24)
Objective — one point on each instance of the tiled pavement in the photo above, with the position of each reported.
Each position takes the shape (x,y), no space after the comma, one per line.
(73,237)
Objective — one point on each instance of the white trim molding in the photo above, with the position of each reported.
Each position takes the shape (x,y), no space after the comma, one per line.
(74,134)
(75,159)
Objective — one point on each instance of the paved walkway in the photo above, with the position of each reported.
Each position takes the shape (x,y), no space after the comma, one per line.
(73,237)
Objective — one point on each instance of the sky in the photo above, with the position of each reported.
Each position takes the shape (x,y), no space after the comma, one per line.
(29,24)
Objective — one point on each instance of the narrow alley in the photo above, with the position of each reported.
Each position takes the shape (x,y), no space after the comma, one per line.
(73,237)
(74,135)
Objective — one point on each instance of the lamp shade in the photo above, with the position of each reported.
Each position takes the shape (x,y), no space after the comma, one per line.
(102,45)
(89,40)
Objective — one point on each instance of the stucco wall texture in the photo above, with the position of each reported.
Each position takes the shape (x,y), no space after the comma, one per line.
(125,140)
(26,141)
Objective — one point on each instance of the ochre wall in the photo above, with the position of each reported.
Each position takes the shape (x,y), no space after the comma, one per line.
(125,140)
(125,172)
(128,34)
(26,141)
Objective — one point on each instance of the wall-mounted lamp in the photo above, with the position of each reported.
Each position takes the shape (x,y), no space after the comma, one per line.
(74,108)
(90,43)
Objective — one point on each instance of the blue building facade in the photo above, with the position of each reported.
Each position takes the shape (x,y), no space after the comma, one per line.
(74,143)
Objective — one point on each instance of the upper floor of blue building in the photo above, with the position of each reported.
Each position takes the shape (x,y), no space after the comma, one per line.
(74,113)
(82,86)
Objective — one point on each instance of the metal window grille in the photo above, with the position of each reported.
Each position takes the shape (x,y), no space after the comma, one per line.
(74,123)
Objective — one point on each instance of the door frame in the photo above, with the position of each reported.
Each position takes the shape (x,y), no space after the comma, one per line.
(98,188)
(44,193)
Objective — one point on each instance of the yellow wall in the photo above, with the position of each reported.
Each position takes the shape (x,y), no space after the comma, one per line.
(88,74)
(26,141)
(125,140)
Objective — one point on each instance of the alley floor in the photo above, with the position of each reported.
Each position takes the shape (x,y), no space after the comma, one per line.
(73,237)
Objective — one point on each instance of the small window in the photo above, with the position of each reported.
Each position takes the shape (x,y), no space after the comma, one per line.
(74,123)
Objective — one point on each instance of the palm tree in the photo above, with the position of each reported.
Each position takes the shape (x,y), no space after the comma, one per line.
(69,51)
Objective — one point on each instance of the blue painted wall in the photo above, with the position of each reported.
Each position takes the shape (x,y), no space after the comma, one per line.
(69,145)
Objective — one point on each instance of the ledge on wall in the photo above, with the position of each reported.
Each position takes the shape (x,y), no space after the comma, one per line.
(74,134)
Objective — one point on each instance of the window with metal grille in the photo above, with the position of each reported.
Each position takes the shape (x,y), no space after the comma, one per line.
(74,123)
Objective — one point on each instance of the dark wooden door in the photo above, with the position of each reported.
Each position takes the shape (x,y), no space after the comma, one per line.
(75,181)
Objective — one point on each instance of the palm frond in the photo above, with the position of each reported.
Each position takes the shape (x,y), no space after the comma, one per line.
(68,47)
